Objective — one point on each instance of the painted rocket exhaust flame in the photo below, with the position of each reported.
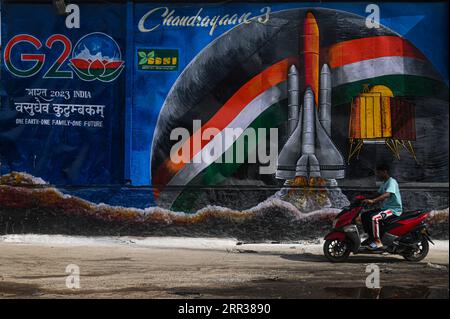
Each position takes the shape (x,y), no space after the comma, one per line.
(305,193)
(309,151)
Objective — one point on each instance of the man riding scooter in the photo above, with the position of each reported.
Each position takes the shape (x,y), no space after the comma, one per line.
(391,205)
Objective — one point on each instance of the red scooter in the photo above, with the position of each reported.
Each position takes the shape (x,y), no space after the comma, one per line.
(406,235)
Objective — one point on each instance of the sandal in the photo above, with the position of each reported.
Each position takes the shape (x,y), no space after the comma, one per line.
(374,246)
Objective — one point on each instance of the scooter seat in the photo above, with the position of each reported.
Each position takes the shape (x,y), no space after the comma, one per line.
(404,216)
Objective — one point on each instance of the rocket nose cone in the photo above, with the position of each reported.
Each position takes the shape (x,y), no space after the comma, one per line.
(310,16)
(293,69)
(325,69)
(310,25)
(309,94)
(309,91)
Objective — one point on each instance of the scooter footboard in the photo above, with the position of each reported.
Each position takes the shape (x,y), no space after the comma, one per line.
(353,234)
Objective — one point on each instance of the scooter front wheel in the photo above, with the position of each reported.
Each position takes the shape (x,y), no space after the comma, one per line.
(336,250)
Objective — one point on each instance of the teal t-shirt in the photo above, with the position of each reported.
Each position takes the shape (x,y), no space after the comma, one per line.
(394,202)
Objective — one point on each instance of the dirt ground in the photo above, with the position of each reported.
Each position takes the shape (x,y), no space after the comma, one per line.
(207,268)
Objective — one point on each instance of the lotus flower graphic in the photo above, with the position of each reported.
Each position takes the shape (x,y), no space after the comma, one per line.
(97,56)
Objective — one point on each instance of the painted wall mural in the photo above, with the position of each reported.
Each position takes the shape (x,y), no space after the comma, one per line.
(182,106)
(300,73)
(63,95)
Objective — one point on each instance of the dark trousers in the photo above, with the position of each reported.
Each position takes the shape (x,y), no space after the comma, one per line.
(366,219)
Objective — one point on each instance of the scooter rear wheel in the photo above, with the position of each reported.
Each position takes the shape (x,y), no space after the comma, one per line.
(420,253)
(336,250)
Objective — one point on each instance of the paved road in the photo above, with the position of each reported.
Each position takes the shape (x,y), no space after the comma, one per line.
(206,268)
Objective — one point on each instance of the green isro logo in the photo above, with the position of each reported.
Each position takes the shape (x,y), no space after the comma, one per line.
(157,59)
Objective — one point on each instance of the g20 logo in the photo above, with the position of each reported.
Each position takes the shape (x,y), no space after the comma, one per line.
(96,56)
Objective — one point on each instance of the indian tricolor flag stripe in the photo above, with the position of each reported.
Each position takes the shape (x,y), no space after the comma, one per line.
(272,76)
(401,85)
(392,65)
(217,173)
(251,111)
(357,50)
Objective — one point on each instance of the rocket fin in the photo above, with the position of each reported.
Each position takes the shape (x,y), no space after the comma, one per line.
(331,161)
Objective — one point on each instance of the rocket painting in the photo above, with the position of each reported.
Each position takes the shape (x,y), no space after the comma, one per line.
(309,150)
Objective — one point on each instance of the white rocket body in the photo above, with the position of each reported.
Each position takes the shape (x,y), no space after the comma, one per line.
(309,150)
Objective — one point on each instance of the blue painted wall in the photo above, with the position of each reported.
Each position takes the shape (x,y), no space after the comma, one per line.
(120,151)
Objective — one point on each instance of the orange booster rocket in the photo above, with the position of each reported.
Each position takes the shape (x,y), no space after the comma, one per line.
(311,54)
